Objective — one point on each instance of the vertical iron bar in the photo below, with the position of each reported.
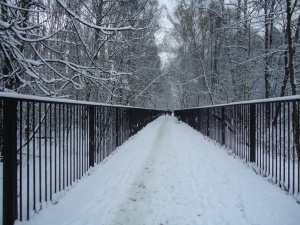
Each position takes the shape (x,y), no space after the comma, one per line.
(266,138)
(280,138)
(91,135)
(293,151)
(50,146)
(67,147)
(80,140)
(237,129)
(63,147)
(223,125)
(298,153)
(74,142)
(59,147)
(27,160)
(117,128)
(55,146)
(257,128)
(272,140)
(71,127)
(208,127)
(289,147)
(276,146)
(77,141)
(10,211)
(45,138)
(248,133)
(265,141)
(298,147)
(252,133)
(86,152)
(269,138)
(243,132)
(283,144)
(40,153)
(20,161)
(260,136)
(33,142)
(73,115)
(101,133)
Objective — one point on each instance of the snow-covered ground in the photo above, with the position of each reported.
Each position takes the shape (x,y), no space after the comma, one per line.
(170,174)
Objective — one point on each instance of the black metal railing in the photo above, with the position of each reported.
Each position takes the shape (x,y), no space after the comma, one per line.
(48,144)
(264,133)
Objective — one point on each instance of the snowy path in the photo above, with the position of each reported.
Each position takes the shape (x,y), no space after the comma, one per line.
(170,174)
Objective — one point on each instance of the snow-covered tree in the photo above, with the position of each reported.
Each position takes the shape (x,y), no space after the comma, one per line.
(234,50)
(88,50)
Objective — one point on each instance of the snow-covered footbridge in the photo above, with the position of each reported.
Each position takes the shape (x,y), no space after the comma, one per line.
(170,174)
(76,163)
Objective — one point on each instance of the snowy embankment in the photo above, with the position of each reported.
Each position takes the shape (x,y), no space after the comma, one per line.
(170,174)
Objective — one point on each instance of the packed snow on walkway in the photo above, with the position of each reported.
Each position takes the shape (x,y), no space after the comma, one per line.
(170,174)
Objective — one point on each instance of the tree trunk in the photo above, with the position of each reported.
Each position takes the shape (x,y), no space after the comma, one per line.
(292,75)
(228,53)
(6,65)
(283,87)
(247,51)
(266,70)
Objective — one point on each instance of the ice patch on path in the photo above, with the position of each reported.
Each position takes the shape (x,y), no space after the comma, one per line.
(170,174)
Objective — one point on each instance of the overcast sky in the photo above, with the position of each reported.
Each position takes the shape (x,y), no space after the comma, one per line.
(165,26)
(165,23)
(170,7)
(168,3)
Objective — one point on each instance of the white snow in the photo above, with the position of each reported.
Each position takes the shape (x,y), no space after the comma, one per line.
(4,24)
(104,29)
(170,174)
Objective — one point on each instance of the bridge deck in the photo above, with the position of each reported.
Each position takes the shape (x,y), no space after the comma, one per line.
(170,174)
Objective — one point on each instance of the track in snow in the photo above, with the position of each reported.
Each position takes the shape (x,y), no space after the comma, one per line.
(170,174)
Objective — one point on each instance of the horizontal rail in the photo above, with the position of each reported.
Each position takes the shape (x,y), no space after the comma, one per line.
(23,97)
(250,102)
(48,145)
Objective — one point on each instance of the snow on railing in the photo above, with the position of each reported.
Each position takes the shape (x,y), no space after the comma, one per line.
(263,133)
(49,144)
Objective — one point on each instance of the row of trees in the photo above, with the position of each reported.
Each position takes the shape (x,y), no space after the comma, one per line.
(105,50)
(93,50)
(225,51)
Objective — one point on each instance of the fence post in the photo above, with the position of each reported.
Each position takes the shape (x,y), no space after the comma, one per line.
(117,127)
(10,212)
(129,115)
(252,132)
(91,136)
(199,121)
(223,126)
(207,131)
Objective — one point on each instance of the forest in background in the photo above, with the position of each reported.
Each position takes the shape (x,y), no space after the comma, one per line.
(233,50)
(91,50)
(105,51)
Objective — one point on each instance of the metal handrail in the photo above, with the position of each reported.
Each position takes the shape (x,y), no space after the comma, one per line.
(49,144)
(263,133)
